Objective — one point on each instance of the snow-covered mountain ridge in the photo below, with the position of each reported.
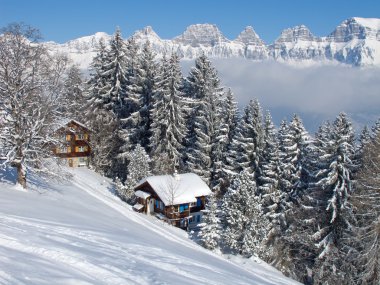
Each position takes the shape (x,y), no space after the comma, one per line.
(356,42)
(78,232)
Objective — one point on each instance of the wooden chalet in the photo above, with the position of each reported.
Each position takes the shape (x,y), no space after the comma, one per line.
(179,199)
(74,147)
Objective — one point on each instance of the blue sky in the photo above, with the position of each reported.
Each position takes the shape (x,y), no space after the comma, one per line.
(61,21)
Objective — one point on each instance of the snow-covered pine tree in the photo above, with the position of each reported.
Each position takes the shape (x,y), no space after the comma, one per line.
(108,81)
(249,140)
(269,164)
(30,84)
(242,216)
(203,86)
(105,104)
(73,100)
(293,143)
(142,88)
(269,189)
(364,139)
(330,199)
(375,129)
(365,237)
(225,132)
(168,122)
(210,228)
(293,151)
(138,168)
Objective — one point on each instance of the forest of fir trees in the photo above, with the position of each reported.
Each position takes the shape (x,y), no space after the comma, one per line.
(307,204)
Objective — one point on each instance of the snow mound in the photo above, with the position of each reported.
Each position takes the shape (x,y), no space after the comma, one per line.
(79,232)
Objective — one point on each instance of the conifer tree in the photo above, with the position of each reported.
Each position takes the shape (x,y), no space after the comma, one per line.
(225,132)
(168,122)
(138,168)
(210,228)
(73,99)
(249,140)
(204,88)
(326,207)
(108,83)
(365,236)
(106,97)
(242,216)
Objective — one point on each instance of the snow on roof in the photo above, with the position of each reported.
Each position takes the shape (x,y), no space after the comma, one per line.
(138,206)
(142,194)
(65,122)
(178,188)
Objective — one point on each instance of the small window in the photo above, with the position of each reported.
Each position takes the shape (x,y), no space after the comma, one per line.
(68,138)
(198,218)
(81,148)
(183,207)
(199,202)
(79,137)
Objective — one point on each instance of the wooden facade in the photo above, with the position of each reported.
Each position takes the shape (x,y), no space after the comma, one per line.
(74,147)
(184,215)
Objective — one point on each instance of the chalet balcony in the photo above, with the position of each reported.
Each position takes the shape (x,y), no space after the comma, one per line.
(177,215)
(196,209)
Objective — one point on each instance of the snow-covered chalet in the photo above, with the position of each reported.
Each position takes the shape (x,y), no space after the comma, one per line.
(179,198)
(74,143)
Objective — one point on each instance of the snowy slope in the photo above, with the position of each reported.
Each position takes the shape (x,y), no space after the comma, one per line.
(356,42)
(79,233)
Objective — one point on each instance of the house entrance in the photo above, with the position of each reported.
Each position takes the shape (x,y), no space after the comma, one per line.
(151,206)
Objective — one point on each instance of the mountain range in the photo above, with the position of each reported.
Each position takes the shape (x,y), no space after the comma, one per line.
(355,42)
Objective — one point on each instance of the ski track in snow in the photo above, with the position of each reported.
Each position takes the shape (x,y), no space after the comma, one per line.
(41,246)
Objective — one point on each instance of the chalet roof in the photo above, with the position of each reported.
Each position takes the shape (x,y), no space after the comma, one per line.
(64,123)
(178,188)
(142,194)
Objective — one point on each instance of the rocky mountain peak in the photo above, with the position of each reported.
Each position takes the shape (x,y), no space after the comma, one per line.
(356,28)
(145,34)
(201,34)
(297,33)
(249,37)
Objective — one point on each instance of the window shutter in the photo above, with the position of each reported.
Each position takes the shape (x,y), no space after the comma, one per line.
(69,149)
(86,136)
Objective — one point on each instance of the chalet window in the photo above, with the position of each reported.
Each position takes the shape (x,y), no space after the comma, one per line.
(79,137)
(64,149)
(81,148)
(199,202)
(183,207)
(68,138)
(198,218)
(157,204)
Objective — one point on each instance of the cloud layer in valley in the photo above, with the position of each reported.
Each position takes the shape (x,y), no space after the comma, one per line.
(317,93)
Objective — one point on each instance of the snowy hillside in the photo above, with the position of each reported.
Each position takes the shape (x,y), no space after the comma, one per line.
(356,42)
(79,233)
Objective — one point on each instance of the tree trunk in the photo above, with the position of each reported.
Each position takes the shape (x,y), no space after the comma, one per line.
(21,176)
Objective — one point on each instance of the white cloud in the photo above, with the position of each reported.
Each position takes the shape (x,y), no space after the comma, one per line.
(317,93)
